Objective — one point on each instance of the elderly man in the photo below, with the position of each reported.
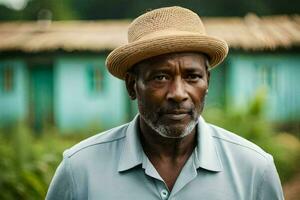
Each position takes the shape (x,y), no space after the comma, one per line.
(168,151)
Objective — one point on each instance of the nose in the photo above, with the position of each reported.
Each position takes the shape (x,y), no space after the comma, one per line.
(177,91)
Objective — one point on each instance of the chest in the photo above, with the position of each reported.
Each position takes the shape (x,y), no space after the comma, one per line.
(148,182)
(169,172)
(138,185)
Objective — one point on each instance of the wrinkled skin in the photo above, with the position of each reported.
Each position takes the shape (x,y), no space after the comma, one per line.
(170,90)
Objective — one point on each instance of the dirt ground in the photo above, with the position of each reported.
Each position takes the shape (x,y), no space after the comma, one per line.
(292,188)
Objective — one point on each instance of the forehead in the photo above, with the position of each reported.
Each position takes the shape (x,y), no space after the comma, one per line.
(186,59)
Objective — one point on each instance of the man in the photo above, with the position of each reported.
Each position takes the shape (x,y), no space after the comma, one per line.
(168,151)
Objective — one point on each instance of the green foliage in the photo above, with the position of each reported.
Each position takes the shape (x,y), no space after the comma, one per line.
(251,124)
(27,163)
(60,10)
(118,9)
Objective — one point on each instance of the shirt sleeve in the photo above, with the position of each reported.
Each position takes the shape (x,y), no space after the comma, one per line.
(270,188)
(61,186)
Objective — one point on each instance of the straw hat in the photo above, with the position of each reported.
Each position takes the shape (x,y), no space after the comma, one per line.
(162,31)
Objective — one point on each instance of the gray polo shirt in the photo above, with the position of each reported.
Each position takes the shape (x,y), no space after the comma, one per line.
(113,165)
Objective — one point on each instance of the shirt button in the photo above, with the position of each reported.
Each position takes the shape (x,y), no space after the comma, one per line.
(164,194)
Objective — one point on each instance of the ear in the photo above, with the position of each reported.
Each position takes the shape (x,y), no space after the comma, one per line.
(130,81)
(208,77)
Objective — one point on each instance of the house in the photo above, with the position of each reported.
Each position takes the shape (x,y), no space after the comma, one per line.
(264,53)
(53,73)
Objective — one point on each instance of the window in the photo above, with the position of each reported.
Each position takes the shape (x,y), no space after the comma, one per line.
(268,76)
(6,79)
(95,79)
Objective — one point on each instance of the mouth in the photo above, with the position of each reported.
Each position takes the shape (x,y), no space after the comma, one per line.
(177,114)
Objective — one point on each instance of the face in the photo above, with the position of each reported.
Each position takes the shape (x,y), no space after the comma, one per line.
(170,91)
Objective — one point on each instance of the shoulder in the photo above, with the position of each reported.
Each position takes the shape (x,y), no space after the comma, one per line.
(239,146)
(101,139)
(248,163)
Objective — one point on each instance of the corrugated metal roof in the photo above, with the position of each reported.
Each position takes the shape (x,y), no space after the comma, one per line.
(248,33)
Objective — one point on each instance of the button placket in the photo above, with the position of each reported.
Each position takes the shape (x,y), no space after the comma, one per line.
(162,190)
(164,194)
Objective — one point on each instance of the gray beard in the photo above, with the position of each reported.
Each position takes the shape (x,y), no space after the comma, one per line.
(152,121)
(165,132)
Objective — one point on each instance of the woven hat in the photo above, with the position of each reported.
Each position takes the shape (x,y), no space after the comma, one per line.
(162,31)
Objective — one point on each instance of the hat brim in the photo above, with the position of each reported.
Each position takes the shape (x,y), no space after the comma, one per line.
(120,60)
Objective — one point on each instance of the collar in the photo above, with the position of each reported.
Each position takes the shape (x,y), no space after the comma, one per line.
(205,154)
(132,151)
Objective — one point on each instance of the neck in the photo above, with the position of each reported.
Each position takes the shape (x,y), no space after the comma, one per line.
(161,147)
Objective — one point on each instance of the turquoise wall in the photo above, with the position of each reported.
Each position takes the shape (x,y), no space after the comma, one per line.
(277,74)
(13,104)
(217,89)
(76,106)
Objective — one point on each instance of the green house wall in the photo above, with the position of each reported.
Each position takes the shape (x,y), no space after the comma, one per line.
(217,87)
(76,106)
(276,74)
(13,103)
(67,84)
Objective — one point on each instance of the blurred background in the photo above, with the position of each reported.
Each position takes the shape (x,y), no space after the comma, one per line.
(56,91)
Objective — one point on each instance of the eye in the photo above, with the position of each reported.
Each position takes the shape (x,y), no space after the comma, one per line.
(193,77)
(160,77)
